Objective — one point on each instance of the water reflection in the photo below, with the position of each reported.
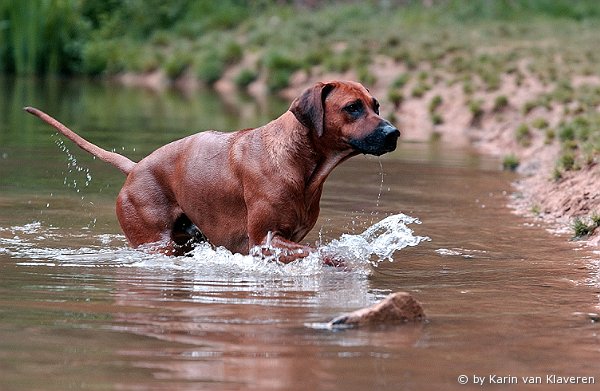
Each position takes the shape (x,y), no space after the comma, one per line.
(147,118)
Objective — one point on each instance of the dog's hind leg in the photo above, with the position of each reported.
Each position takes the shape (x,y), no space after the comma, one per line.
(147,217)
(150,219)
(185,234)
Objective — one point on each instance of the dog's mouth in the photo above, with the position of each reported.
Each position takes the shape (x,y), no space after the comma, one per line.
(382,140)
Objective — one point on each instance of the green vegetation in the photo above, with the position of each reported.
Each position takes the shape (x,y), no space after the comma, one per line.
(420,89)
(437,119)
(584,227)
(596,219)
(279,67)
(245,77)
(580,141)
(396,97)
(540,123)
(434,104)
(500,103)
(510,162)
(40,36)
(476,109)
(567,161)
(106,36)
(550,136)
(523,135)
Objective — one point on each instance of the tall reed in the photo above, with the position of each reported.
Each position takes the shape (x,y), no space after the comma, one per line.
(38,36)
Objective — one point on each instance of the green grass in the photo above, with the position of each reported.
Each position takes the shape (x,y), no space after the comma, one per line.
(396,97)
(540,123)
(420,89)
(550,135)
(580,228)
(477,112)
(435,102)
(39,36)
(209,68)
(567,161)
(245,78)
(523,135)
(280,66)
(62,29)
(583,227)
(580,140)
(500,103)
(510,162)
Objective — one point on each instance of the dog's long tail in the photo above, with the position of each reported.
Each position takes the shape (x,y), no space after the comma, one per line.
(119,161)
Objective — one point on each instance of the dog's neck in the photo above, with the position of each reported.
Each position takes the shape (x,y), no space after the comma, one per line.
(288,145)
(324,168)
(293,147)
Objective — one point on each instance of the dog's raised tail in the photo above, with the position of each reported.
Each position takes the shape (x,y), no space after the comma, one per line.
(119,161)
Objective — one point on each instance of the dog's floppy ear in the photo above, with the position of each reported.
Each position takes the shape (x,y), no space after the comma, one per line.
(309,108)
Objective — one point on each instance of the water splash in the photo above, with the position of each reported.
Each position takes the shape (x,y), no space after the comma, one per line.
(73,168)
(378,243)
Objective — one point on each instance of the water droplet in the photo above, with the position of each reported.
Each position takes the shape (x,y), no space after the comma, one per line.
(381,184)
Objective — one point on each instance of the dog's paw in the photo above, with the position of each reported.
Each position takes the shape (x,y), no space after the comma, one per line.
(332,261)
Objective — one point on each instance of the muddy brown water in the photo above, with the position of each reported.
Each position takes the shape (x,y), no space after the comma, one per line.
(505,299)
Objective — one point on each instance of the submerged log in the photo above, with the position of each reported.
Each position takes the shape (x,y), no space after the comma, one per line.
(398,307)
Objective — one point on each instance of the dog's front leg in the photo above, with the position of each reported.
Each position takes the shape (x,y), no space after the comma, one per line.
(290,251)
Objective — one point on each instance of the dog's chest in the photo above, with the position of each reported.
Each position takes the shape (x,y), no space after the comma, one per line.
(304,222)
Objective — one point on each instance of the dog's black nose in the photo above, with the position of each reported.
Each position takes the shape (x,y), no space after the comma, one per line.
(390,133)
(382,139)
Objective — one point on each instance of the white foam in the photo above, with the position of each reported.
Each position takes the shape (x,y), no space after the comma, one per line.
(376,244)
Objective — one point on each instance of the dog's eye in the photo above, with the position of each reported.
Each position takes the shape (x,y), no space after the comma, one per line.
(354,109)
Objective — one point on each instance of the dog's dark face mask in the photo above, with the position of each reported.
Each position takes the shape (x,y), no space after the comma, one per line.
(382,139)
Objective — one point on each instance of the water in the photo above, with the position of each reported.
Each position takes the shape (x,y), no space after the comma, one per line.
(81,310)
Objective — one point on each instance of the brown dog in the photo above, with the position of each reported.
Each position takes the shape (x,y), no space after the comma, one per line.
(252,187)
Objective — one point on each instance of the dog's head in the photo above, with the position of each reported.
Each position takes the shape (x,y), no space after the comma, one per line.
(344,115)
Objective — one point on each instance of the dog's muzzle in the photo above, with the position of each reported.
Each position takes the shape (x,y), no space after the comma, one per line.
(382,140)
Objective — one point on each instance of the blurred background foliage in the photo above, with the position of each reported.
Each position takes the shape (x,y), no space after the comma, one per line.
(89,36)
(96,37)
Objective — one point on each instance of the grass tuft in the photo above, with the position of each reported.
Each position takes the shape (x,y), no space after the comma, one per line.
(582,228)
(523,135)
(500,103)
(510,162)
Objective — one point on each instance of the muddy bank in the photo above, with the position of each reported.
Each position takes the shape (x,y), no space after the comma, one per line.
(504,122)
